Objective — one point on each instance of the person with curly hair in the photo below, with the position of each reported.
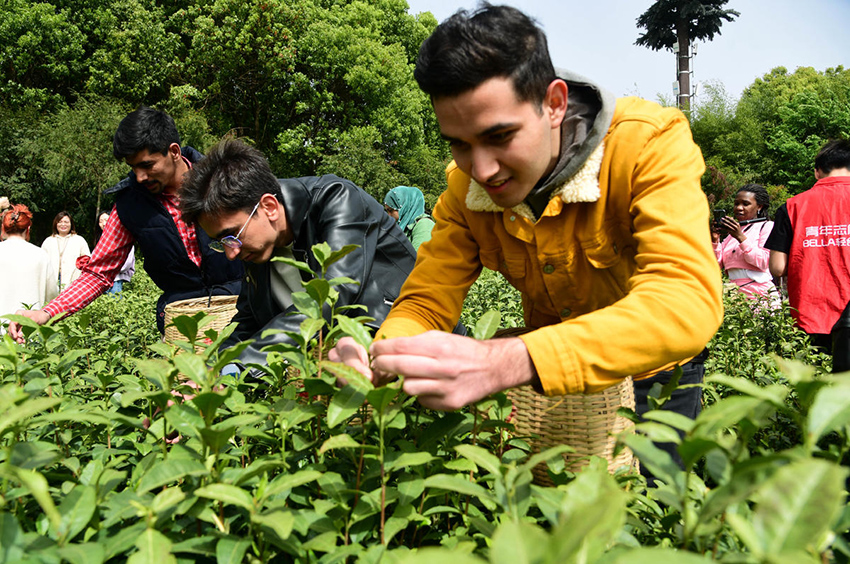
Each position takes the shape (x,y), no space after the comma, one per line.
(741,254)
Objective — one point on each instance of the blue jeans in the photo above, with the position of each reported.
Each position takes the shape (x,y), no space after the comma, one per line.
(117,287)
(687,402)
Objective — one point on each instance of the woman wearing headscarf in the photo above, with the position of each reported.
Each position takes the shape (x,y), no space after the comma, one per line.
(29,278)
(407,205)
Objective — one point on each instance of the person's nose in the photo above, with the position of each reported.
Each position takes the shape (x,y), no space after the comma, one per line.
(483,164)
(232,252)
(141,175)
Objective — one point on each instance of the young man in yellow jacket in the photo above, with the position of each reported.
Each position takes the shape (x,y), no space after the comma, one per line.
(590,206)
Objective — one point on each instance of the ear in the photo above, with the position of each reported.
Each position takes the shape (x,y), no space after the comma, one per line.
(271,207)
(819,174)
(555,102)
(174,151)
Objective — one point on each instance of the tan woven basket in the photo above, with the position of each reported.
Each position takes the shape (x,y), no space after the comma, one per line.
(587,422)
(221,308)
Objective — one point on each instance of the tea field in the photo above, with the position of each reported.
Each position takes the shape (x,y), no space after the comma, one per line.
(107,454)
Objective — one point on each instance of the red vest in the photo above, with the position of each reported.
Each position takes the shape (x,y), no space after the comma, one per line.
(819,262)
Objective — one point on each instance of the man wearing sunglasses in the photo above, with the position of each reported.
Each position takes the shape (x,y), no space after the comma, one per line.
(253,216)
(177,254)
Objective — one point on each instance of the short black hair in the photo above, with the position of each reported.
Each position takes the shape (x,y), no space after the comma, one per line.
(142,129)
(762,197)
(232,176)
(492,42)
(835,154)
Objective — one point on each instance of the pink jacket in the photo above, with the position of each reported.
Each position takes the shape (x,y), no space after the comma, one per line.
(747,262)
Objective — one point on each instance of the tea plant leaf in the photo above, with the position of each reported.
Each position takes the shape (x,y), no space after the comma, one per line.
(185,419)
(462,485)
(76,510)
(27,409)
(168,472)
(38,488)
(357,331)
(544,456)
(231,550)
(225,493)
(342,440)
(208,402)
(344,405)
(347,375)
(279,521)
(380,398)
(154,548)
(303,266)
(481,457)
(193,367)
(286,482)
(657,555)
(592,512)
(774,394)
(122,540)
(830,411)
(156,371)
(410,459)
(795,508)
(518,542)
(87,553)
(338,254)
(305,304)
(66,363)
(487,325)
(433,555)
(318,289)
(166,499)
(659,462)
(11,538)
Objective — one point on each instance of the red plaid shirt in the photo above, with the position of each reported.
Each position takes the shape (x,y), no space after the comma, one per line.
(109,255)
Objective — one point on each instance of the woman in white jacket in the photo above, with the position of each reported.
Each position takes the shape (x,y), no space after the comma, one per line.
(64,248)
(30,280)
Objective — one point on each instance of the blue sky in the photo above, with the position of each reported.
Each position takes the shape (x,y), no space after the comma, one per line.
(596,39)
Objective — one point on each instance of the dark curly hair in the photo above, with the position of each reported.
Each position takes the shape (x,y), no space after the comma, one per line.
(761,195)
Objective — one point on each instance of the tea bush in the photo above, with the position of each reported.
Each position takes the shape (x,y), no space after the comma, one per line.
(107,454)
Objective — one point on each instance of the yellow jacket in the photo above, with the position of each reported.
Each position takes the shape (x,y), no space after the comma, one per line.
(618,273)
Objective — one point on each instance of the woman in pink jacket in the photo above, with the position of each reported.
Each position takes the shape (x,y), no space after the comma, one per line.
(741,253)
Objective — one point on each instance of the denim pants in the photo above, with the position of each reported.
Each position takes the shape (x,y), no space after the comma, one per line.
(687,402)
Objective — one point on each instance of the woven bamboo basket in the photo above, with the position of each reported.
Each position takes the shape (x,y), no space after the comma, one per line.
(221,308)
(586,422)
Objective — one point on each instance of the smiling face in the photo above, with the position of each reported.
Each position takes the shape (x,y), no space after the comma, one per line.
(101,221)
(261,233)
(504,144)
(157,172)
(63,226)
(745,206)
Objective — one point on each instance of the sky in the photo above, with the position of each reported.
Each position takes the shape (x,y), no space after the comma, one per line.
(596,38)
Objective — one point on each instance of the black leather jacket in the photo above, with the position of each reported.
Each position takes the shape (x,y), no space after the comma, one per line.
(327,209)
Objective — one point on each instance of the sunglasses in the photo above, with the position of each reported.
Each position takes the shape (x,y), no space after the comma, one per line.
(232,241)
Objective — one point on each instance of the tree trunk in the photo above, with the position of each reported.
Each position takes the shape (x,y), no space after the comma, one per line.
(684,78)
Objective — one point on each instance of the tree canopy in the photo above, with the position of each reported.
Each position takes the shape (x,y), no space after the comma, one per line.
(317,85)
(772,134)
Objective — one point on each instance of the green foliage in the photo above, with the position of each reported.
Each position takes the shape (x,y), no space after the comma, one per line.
(772,134)
(108,454)
(492,292)
(666,19)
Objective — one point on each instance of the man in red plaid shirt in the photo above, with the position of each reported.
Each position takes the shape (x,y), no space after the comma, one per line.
(146,213)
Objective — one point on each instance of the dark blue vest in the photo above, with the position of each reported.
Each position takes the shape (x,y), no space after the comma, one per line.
(165,258)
